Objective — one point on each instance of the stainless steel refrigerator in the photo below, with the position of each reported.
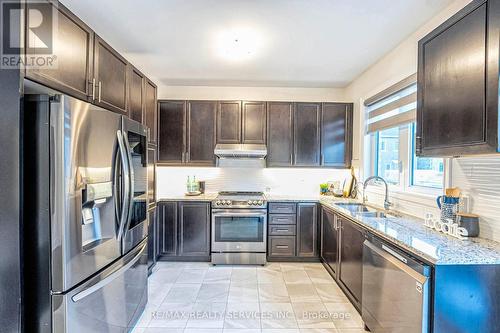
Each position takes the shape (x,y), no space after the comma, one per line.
(84,217)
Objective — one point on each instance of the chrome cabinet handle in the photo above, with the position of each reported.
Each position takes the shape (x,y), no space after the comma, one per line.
(282,246)
(282,230)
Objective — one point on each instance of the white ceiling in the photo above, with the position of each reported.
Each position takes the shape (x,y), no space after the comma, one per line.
(298,43)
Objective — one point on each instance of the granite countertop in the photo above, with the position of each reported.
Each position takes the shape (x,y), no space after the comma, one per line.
(410,234)
(406,232)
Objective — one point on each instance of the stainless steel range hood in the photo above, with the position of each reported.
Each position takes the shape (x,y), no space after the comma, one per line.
(240,151)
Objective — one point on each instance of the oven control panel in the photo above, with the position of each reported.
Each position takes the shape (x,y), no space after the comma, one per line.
(257,203)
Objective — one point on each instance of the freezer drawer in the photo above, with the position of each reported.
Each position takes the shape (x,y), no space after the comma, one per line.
(395,290)
(112,301)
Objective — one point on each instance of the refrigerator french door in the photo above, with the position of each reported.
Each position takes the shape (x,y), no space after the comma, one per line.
(136,192)
(78,209)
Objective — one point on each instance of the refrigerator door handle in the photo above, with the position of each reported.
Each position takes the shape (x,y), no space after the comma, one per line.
(108,279)
(131,183)
(126,184)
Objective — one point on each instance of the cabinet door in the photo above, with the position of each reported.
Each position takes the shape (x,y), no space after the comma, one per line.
(73,72)
(135,94)
(194,229)
(229,122)
(336,135)
(150,110)
(280,134)
(329,240)
(351,258)
(201,132)
(110,71)
(307,230)
(171,129)
(254,122)
(167,221)
(151,176)
(453,116)
(307,134)
(152,238)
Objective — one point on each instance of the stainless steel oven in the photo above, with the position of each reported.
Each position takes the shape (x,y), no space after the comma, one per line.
(239,230)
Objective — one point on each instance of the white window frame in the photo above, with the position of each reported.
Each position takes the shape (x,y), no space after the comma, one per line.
(405,190)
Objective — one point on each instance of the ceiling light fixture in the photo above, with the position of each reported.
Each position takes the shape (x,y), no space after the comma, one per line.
(237,44)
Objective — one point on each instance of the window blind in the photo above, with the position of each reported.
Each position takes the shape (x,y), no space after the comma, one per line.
(394,106)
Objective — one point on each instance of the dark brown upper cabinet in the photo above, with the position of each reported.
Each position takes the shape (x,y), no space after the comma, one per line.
(136,94)
(279,134)
(110,72)
(150,110)
(201,124)
(187,132)
(254,122)
(458,66)
(336,135)
(172,129)
(229,122)
(73,46)
(306,131)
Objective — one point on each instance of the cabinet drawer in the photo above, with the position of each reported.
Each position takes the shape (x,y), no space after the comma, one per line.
(283,246)
(282,208)
(282,230)
(282,219)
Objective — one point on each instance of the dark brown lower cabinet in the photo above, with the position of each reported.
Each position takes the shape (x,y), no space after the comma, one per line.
(293,231)
(351,259)
(184,230)
(167,217)
(307,230)
(329,248)
(153,239)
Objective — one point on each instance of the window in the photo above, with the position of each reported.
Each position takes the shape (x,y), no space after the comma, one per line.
(388,155)
(425,171)
(390,128)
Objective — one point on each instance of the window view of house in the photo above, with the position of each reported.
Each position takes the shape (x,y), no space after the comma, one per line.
(388,155)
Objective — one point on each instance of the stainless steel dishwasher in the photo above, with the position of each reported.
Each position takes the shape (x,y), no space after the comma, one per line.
(396,290)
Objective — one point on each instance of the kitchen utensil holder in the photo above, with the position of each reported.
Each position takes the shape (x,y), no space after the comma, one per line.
(449,211)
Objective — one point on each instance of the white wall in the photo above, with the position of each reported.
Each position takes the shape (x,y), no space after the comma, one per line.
(478,176)
(252,93)
(171,181)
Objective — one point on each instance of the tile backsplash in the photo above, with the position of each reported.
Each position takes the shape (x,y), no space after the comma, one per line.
(171,181)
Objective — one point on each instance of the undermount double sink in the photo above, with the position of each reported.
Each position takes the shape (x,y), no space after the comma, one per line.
(364,210)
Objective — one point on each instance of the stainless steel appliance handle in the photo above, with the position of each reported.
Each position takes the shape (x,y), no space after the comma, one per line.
(131,180)
(100,90)
(126,184)
(240,214)
(395,261)
(108,279)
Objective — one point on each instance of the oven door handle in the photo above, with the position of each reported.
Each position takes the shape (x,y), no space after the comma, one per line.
(240,214)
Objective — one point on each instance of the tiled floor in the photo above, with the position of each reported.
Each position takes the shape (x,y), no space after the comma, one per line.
(277,298)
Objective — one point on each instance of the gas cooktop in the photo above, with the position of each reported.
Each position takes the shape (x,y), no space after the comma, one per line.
(240,199)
